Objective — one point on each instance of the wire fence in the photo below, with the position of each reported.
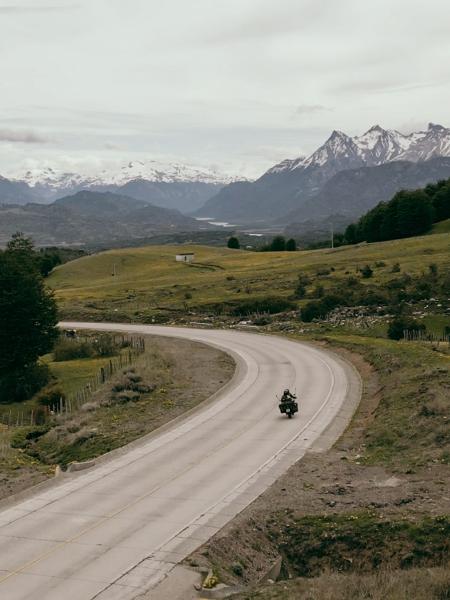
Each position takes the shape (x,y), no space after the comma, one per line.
(40,414)
(419,335)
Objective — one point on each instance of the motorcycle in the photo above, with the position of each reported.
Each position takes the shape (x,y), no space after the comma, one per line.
(288,408)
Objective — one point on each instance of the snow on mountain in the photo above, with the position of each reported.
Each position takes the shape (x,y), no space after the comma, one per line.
(151,170)
(375,147)
(287,165)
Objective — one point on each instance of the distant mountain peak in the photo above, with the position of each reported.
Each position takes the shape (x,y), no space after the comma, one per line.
(374,147)
(436,127)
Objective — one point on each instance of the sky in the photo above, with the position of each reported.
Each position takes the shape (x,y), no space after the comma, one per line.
(235,85)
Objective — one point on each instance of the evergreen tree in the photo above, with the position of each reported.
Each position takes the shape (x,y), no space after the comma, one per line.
(28,318)
(291,245)
(233,243)
(278,244)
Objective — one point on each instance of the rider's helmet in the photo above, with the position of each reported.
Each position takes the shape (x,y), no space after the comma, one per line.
(286,392)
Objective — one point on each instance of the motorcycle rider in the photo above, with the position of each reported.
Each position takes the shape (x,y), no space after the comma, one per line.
(288,397)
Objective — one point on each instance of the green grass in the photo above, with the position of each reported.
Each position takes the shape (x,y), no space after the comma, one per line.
(75,374)
(410,427)
(442,227)
(149,280)
(359,542)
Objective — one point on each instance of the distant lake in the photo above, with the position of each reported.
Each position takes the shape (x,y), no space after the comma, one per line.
(217,223)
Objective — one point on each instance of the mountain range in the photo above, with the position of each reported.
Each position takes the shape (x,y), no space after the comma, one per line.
(341,180)
(91,218)
(304,187)
(182,187)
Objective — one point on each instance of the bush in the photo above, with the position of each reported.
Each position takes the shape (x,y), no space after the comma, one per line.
(68,349)
(24,436)
(51,395)
(400,324)
(233,243)
(318,310)
(300,291)
(352,281)
(17,386)
(104,345)
(269,304)
(318,291)
(395,268)
(127,396)
(291,245)
(366,272)
(311,310)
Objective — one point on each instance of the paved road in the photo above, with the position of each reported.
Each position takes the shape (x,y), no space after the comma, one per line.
(114,530)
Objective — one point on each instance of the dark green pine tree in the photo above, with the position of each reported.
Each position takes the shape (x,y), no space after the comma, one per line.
(291,245)
(28,319)
(278,244)
(233,243)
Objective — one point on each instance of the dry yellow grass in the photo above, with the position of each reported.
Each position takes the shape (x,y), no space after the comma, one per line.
(148,278)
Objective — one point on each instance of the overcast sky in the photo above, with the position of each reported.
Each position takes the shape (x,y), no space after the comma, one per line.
(238,84)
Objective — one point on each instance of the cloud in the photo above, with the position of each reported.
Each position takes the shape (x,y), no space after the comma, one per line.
(34,9)
(112,146)
(305,109)
(24,137)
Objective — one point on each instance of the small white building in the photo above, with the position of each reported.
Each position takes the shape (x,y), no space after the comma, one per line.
(187,257)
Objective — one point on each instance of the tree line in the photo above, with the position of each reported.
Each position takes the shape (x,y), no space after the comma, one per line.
(278,244)
(409,213)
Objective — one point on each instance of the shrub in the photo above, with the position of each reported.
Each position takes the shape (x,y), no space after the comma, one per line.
(300,291)
(318,291)
(51,395)
(233,243)
(395,268)
(400,324)
(278,244)
(366,272)
(127,396)
(352,281)
(104,345)
(291,245)
(269,304)
(311,310)
(433,269)
(24,436)
(318,310)
(17,386)
(68,349)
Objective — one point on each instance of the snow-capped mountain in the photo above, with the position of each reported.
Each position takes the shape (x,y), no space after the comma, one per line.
(287,186)
(174,185)
(375,147)
(149,170)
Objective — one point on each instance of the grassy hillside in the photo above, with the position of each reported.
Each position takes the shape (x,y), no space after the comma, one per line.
(442,227)
(148,280)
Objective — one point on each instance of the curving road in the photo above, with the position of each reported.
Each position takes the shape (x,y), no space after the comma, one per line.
(113,531)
